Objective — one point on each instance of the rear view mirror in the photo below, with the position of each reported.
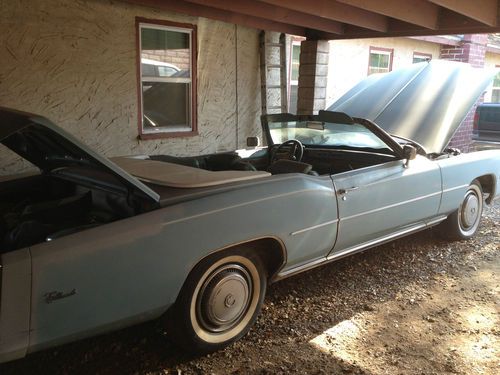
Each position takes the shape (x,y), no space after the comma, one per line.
(409,153)
(316,125)
(253,141)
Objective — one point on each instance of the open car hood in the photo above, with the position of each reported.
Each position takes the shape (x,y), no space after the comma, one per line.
(50,148)
(425,102)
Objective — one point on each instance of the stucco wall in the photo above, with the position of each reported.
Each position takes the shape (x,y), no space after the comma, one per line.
(75,63)
(349,60)
(491,61)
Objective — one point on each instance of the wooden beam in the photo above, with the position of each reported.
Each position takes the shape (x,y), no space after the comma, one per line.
(454,25)
(418,12)
(438,39)
(275,13)
(336,11)
(484,11)
(191,9)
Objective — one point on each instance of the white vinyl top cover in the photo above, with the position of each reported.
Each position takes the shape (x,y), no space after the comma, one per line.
(181,176)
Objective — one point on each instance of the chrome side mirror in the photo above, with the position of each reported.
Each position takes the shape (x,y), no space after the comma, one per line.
(253,141)
(409,153)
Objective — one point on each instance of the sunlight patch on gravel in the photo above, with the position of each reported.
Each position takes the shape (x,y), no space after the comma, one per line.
(336,339)
(440,332)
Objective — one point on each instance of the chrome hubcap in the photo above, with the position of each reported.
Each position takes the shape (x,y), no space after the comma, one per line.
(470,210)
(224,298)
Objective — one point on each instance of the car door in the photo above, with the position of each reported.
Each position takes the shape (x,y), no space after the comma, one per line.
(384,201)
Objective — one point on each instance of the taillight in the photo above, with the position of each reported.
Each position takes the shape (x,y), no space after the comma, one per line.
(475,124)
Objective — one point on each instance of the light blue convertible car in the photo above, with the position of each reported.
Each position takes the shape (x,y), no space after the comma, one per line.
(89,244)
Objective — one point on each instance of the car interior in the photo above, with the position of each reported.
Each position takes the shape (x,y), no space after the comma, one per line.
(288,157)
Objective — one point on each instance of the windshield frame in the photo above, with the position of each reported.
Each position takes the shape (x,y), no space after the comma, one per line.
(332,117)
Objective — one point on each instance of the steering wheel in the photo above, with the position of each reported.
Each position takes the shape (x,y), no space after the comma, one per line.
(295,150)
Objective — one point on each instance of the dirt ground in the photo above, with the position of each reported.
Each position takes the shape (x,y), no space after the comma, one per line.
(418,305)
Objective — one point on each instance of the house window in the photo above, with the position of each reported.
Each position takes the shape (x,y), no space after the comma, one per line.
(294,76)
(495,92)
(421,57)
(167,79)
(380,60)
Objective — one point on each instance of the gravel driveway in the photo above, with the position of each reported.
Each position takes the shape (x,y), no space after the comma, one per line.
(418,305)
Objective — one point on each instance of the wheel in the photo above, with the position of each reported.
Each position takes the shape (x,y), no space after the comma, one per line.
(295,150)
(219,302)
(464,222)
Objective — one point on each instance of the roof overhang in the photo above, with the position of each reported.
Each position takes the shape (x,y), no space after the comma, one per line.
(346,19)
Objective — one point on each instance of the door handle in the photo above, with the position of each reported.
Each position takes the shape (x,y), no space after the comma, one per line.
(347,190)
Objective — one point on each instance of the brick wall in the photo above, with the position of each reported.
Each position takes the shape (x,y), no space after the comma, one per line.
(313,76)
(472,50)
(178,57)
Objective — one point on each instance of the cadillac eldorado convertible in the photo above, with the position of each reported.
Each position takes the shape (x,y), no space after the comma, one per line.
(90,244)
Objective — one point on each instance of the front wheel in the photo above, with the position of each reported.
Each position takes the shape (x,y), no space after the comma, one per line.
(219,301)
(464,222)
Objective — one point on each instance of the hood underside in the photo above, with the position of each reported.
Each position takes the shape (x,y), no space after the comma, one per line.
(425,102)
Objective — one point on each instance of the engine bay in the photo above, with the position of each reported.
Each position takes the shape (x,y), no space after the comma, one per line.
(41,208)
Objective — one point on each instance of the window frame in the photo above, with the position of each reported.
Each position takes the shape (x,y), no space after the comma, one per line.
(172,26)
(295,41)
(417,54)
(493,87)
(383,51)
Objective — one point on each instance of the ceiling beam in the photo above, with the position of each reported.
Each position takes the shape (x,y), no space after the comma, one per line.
(191,9)
(418,12)
(336,11)
(484,11)
(275,13)
(453,25)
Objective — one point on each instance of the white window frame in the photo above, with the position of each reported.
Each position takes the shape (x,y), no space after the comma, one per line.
(380,51)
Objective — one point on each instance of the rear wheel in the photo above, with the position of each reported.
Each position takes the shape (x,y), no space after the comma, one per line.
(219,301)
(464,222)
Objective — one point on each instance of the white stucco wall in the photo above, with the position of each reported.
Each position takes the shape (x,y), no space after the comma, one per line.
(349,60)
(75,63)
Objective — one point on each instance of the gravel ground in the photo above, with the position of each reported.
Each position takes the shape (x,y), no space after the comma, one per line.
(418,305)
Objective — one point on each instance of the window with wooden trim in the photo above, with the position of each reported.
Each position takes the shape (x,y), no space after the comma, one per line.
(380,60)
(167,79)
(421,57)
(294,76)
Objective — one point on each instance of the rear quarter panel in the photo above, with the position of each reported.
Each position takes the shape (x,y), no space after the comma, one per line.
(15,304)
(133,269)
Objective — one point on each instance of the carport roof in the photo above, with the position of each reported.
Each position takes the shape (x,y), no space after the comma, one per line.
(346,19)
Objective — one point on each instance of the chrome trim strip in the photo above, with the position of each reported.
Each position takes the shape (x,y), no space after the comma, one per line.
(314,227)
(436,221)
(455,188)
(390,206)
(376,241)
(300,268)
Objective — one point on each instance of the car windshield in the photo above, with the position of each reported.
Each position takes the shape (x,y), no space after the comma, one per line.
(319,133)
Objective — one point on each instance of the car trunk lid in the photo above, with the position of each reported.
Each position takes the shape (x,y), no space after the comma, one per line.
(50,148)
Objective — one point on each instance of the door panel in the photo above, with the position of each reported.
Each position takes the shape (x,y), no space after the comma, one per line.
(381,199)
